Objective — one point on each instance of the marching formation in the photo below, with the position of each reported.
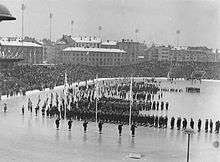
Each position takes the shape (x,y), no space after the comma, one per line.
(109,102)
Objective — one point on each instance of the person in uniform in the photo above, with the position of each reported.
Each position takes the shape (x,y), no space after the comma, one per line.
(199,125)
(85,123)
(120,129)
(22,110)
(178,123)
(133,126)
(172,122)
(70,124)
(5,107)
(57,122)
(191,123)
(211,125)
(206,125)
(100,127)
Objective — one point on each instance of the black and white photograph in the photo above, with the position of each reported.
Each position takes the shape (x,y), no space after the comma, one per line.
(109,80)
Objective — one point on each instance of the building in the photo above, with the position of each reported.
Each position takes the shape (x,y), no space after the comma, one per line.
(193,54)
(135,50)
(109,44)
(88,42)
(180,54)
(158,53)
(29,52)
(93,56)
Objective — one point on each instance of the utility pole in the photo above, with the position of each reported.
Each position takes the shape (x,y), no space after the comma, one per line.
(100,29)
(22,21)
(51,17)
(72,22)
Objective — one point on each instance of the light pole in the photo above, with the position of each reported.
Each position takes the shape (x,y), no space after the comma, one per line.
(189,132)
(51,17)
(72,22)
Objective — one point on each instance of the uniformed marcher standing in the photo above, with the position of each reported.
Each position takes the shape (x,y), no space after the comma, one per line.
(199,125)
(85,126)
(120,129)
(211,125)
(57,122)
(206,125)
(172,122)
(178,123)
(22,110)
(100,127)
(192,123)
(70,124)
(5,107)
(133,130)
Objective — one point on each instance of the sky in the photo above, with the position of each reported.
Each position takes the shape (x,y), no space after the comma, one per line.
(156,20)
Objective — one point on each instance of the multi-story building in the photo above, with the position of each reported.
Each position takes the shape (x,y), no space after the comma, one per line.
(135,50)
(109,44)
(180,54)
(92,42)
(29,52)
(193,54)
(158,53)
(93,56)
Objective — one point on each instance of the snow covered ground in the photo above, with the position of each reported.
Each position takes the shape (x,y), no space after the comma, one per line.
(34,138)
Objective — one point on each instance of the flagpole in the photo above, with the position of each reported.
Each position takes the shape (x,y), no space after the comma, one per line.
(131,100)
(96,100)
(65,95)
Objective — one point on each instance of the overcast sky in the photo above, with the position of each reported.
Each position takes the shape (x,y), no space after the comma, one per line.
(157,20)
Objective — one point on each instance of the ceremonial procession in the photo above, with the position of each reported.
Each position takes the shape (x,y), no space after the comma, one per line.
(142,85)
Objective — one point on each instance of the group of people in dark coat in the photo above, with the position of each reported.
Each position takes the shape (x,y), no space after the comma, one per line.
(208,124)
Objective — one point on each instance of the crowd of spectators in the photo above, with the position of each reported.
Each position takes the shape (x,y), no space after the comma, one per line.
(24,77)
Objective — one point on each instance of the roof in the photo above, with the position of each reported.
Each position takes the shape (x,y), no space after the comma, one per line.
(5,14)
(82,49)
(3,59)
(18,43)
(87,40)
(110,43)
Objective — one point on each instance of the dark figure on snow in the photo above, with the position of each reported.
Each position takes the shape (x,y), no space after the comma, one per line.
(206,125)
(57,122)
(100,127)
(191,123)
(184,123)
(5,107)
(167,105)
(22,110)
(120,129)
(36,109)
(172,122)
(133,130)
(85,125)
(157,105)
(199,125)
(178,123)
(211,125)
(70,124)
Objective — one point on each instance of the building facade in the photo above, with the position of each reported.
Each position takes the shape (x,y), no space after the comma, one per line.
(180,54)
(93,56)
(13,48)
(135,50)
